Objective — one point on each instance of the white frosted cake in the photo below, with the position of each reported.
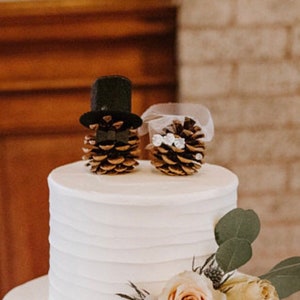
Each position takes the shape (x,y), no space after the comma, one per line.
(143,227)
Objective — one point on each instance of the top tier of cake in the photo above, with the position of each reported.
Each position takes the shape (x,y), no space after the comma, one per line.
(143,227)
(145,186)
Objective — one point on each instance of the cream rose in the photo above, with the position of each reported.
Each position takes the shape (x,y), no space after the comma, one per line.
(186,286)
(245,287)
(150,297)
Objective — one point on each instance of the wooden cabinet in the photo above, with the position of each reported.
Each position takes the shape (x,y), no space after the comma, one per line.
(50,53)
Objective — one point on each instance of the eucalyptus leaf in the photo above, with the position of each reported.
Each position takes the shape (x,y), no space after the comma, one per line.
(233,253)
(285,276)
(237,223)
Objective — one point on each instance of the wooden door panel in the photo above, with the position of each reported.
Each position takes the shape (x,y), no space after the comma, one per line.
(49,56)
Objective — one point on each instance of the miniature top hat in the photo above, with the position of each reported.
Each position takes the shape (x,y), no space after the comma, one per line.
(111,95)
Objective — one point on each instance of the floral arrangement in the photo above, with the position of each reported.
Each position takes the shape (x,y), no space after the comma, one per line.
(218,276)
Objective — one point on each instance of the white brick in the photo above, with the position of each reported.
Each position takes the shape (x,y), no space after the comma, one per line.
(205,12)
(231,44)
(274,112)
(274,145)
(268,11)
(296,41)
(268,78)
(274,244)
(221,149)
(204,80)
(294,181)
(235,113)
(285,206)
(260,178)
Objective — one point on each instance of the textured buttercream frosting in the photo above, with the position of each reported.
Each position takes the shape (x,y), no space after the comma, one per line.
(143,227)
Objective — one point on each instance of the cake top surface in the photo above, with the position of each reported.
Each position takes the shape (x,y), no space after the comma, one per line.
(146,182)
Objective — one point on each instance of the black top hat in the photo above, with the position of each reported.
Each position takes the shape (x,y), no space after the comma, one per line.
(111,95)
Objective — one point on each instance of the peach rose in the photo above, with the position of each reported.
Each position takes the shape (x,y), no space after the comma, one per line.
(245,287)
(186,286)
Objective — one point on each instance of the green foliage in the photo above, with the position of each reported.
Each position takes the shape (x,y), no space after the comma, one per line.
(233,253)
(234,234)
(285,276)
(238,223)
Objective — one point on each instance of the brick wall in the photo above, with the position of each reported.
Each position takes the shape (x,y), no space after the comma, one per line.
(241,58)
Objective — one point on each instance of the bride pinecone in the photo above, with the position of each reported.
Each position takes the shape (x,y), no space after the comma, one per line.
(187,160)
(111,157)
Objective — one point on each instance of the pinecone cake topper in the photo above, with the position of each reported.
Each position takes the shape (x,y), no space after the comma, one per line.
(178,133)
(112,145)
(179,150)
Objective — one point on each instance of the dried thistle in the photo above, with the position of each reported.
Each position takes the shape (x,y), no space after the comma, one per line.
(140,294)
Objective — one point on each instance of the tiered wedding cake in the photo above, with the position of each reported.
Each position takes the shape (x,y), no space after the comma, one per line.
(164,229)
